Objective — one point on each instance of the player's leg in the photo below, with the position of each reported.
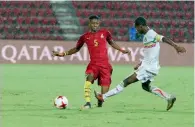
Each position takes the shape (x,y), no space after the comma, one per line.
(91,75)
(104,89)
(119,88)
(87,90)
(159,92)
(104,80)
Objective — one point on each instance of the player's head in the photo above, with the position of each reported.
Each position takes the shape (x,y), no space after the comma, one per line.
(140,25)
(94,22)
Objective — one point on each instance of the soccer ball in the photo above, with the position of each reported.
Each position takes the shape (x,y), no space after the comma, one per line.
(61,102)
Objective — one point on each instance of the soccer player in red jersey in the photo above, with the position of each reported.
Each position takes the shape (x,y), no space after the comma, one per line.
(99,67)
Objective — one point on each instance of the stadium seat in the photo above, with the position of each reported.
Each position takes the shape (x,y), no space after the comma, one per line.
(35,21)
(189,15)
(41,13)
(27,20)
(49,12)
(173,23)
(182,24)
(190,25)
(33,12)
(19,20)
(16,11)
(45,21)
(172,32)
(32,29)
(10,20)
(25,12)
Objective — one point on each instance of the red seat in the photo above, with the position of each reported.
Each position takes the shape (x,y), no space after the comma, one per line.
(189,15)
(175,7)
(109,5)
(134,6)
(91,5)
(5,29)
(38,4)
(115,22)
(186,7)
(53,21)
(112,14)
(179,15)
(16,11)
(35,21)
(128,14)
(32,29)
(100,5)
(46,5)
(173,23)
(10,20)
(24,12)
(4,3)
(172,32)
(59,38)
(8,12)
(49,12)
(157,23)
(45,21)
(153,14)
(9,36)
(120,14)
(191,32)
(20,20)
(41,13)
(190,24)
(103,14)
(18,37)
(144,6)
(79,13)
(23,29)
(47,29)
(1,21)
(74,3)
(39,30)
(182,24)
(33,12)
(180,33)
(162,14)
(27,20)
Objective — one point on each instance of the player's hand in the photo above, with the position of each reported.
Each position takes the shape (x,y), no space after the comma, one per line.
(126,52)
(55,53)
(180,49)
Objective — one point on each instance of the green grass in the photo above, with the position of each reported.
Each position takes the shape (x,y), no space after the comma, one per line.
(28,91)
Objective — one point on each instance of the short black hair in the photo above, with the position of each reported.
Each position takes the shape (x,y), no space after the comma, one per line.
(140,21)
(94,17)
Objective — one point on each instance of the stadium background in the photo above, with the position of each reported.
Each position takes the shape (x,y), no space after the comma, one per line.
(30,30)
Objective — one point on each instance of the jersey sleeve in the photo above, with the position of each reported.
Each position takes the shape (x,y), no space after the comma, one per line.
(80,42)
(108,36)
(154,37)
(159,38)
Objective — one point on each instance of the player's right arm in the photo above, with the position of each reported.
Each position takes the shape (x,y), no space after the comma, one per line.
(74,50)
(178,48)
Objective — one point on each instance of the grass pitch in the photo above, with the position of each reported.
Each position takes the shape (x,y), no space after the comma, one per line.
(28,92)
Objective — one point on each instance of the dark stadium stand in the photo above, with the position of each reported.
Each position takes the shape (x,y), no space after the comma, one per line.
(38,20)
(120,15)
(28,20)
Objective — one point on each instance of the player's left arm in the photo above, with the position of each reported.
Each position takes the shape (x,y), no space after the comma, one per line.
(115,45)
(178,48)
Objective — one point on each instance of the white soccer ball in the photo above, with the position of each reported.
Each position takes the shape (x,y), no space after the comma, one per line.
(61,102)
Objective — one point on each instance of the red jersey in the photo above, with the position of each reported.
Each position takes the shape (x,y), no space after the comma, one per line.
(97,45)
